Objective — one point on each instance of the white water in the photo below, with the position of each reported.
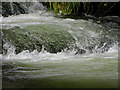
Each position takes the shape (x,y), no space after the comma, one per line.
(84,32)
(64,65)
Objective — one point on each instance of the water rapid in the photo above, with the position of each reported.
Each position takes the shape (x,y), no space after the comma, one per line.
(85,56)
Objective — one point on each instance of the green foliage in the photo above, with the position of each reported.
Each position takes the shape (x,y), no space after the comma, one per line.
(105,4)
(50,6)
(55,6)
(79,8)
(62,7)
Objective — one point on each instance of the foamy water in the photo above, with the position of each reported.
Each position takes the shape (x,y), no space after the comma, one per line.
(63,67)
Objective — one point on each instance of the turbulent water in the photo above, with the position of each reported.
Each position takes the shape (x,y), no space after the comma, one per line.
(96,68)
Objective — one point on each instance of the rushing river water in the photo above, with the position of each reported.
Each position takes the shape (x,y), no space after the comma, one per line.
(64,69)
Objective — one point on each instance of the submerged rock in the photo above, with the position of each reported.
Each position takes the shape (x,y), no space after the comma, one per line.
(54,38)
(80,51)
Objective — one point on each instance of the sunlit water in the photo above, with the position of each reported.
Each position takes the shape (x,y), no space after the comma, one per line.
(64,69)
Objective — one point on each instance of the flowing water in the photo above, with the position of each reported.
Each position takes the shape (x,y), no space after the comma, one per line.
(96,68)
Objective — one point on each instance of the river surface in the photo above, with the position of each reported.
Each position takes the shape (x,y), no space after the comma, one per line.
(63,69)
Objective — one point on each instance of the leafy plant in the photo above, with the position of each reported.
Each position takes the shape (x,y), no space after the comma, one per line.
(79,8)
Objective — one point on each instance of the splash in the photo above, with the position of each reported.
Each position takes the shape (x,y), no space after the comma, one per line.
(89,36)
(90,61)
